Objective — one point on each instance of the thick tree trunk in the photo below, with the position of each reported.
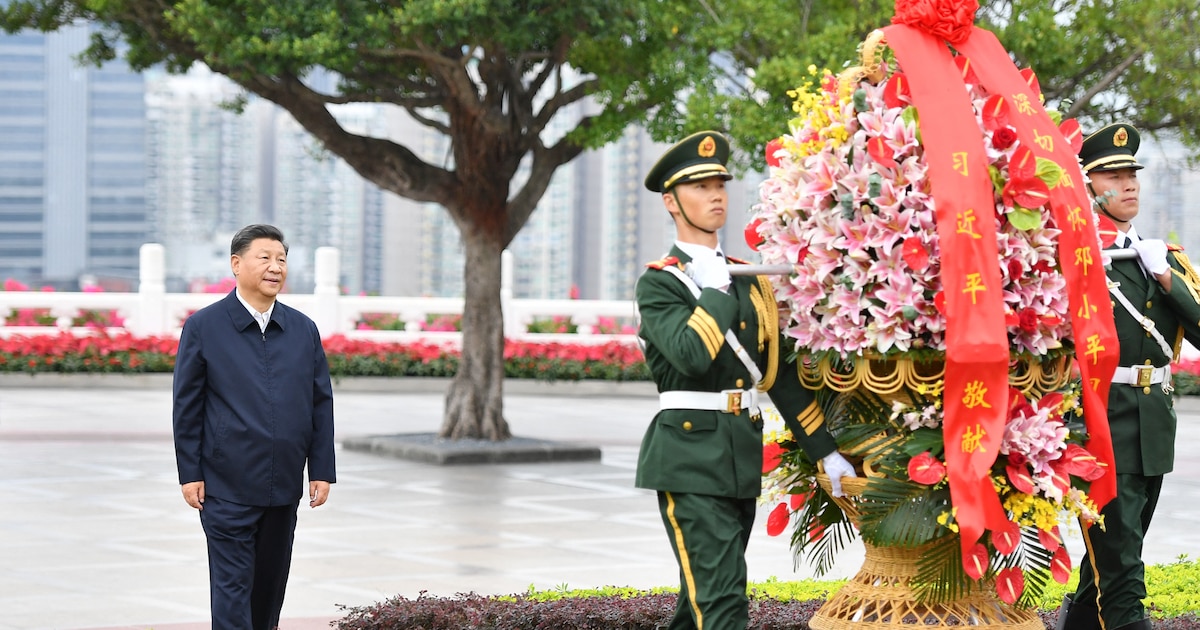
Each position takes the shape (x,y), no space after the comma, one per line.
(475,402)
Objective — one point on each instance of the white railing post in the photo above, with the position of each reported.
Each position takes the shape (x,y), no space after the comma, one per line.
(511,325)
(326,292)
(151,318)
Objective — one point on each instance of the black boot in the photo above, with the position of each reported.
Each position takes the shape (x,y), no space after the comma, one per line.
(1079,616)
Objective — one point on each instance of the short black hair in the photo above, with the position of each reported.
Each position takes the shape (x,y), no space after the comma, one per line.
(250,233)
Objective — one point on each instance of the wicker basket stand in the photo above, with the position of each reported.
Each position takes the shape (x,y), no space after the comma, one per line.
(881,595)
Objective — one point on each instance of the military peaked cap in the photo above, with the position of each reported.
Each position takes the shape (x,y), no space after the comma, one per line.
(1111,148)
(698,156)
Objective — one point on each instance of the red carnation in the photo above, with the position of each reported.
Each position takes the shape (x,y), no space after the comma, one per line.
(1029,320)
(1003,138)
(950,20)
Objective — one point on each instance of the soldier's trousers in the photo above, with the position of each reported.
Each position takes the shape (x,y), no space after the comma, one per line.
(1112,577)
(709,536)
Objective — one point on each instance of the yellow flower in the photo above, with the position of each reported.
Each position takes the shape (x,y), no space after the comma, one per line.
(946,519)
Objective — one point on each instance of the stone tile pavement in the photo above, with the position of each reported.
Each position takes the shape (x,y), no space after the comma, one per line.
(94,533)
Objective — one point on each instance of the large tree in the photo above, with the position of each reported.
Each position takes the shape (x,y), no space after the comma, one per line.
(489,74)
(1096,60)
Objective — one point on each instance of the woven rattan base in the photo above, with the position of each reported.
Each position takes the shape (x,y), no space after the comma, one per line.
(881,597)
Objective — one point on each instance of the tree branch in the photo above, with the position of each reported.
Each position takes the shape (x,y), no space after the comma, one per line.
(1104,83)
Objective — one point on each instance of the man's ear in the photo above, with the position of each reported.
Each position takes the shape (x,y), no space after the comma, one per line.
(669,203)
(235,263)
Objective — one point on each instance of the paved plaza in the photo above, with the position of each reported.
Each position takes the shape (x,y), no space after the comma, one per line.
(94,532)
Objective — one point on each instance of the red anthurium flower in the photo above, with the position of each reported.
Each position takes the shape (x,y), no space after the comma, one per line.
(1010,318)
(964,68)
(1073,133)
(881,152)
(1028,193)
(1010,583)
(1020,478)
(771,454)
(778,520)
(914,253)
(816,532)
(1050,401)
(1077,461)
(995,113)
(926,469)
(1023,164)
(773,148)
(797,501)
(1032,80)
(1060,566)
(975,563)
(1006,540)
(1058,476)
(1052,541)
(753,238)
(1108,230)
(939,302)
(897,93)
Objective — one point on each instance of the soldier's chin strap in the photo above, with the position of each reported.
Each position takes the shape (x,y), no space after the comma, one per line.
(683,213)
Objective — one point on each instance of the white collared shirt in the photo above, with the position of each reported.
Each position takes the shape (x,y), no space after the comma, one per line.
(262,318)
(693,250)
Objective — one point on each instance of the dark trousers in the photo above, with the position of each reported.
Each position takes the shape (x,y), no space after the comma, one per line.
(249,556)
(1112,577)
(709,536)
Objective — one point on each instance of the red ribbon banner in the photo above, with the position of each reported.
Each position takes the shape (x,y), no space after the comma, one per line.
(1096,348)
(975,399)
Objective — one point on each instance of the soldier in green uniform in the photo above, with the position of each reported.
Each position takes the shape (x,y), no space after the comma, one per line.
(1155,306)
(712,345)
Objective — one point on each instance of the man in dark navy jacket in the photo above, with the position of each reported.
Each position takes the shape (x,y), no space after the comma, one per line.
(252,404)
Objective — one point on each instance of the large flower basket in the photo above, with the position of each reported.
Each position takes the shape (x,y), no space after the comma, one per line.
(947,303)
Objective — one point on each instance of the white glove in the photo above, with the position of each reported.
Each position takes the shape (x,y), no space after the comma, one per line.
(837,467)
(710,271)
(1153,255)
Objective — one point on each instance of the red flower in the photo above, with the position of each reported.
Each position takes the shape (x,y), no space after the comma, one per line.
(1020,478)
(881,152)
(778,520)
(1010,583)
(753,238)
(771,453)
(797,501)
(950,20)
(1015,268)
(1071,131)
(897,93)
(926,469)
(1060,566)
(1028,320)
(914,254)
(964,68)
(975,563)
(773,148)
(995,113)
(1006,540)
(1052,541)
(1003,138)
(1077,461)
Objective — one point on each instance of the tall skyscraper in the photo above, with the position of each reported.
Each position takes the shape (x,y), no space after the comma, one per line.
(206,170)
(72,163)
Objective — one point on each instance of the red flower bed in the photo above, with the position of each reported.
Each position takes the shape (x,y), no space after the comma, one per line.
(347,357)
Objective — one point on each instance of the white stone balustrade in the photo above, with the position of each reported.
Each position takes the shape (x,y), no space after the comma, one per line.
(154,312)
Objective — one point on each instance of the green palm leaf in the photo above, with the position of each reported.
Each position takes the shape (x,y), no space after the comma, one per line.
(900,513)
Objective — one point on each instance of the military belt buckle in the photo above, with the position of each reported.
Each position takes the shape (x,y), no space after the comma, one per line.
(1145,374)
(733,402)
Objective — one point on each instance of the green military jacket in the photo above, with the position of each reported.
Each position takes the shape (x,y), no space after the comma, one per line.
(713,452)
(1142,419)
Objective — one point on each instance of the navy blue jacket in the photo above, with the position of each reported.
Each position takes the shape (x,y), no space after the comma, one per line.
(250,408)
